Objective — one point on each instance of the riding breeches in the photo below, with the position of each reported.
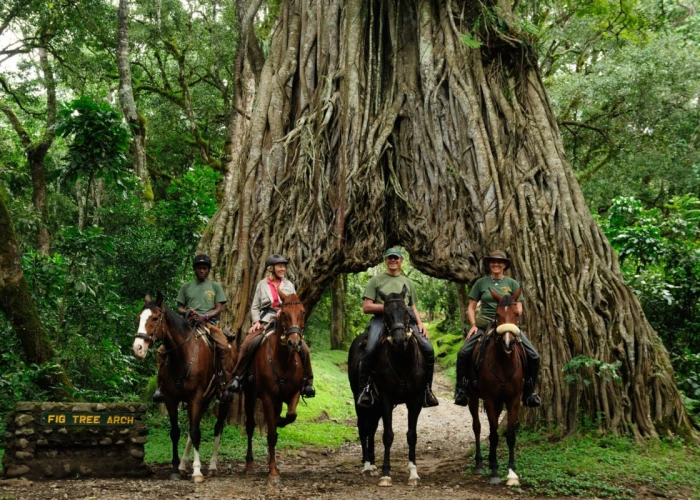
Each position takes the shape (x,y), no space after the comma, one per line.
(374,335)
(464,358)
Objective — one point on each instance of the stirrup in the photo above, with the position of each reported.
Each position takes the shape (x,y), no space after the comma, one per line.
(235,386)
(308,391)
(532,400)
(461,398)
(366,397)
(158,396)
(430,400)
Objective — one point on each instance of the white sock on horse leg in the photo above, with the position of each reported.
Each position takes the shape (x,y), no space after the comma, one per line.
(212,462)
(185,455)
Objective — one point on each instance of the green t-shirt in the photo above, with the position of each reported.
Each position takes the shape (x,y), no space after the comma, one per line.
(481,292)
(390,284)
(202,297)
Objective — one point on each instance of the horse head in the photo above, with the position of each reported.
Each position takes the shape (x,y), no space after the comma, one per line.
(291,321)
(507,319)
(152,326)
(397,319)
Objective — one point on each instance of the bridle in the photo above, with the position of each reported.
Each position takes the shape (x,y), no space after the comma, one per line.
(288,330)
(396,326)
(154,337)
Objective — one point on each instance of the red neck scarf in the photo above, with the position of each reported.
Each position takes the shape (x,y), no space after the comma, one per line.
(275,295)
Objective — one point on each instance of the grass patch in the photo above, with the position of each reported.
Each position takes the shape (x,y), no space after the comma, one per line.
(313,427)
(591,466)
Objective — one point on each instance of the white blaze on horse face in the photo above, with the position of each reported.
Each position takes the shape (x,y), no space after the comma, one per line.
(140,347)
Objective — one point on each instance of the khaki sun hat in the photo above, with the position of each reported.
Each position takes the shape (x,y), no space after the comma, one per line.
(497,255)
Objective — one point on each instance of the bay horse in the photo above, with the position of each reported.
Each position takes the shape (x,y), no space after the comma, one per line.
(191,378)
(278,374)
(500,383)
(399,378)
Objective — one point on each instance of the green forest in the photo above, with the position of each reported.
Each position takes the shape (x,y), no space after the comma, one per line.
(109,181)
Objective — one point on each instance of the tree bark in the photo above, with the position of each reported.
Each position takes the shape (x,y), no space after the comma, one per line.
(463,301)
(338,312)
(375,125)
(18,306)
(36,150)
(137,123)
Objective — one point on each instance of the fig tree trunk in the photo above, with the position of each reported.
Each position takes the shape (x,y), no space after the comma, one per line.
(395,122)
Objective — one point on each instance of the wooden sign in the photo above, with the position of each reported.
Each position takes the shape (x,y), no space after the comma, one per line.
(90,419)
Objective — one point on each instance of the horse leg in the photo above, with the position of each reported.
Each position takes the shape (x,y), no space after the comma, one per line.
(493,412)
(249,399)
(476,426)
(412,438)
(291,412)
(273,475)
(185,457)
(373,424)
(513,411)
(218,429)
(387,439)
(171,405)
(195,411)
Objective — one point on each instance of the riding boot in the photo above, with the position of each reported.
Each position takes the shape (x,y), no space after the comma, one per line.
(307,390)
(464,370)
(248,348)
(374,332)
(426,348)
(532,371)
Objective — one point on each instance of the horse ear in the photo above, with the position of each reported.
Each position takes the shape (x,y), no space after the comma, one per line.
(516,295)
(282,295)
(404,291)
(147,299)
(382,294)
(159,299)
(495,296)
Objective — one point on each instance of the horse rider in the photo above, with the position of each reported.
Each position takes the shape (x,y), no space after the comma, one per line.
(200,301)
(264,311)
(496,263)
(392,281)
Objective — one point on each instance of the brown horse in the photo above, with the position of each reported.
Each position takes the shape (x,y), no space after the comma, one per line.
(191,378)
(500,383)
(279,377)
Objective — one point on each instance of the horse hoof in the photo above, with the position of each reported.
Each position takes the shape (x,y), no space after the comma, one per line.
(385,481)
(513,482)
(274,480)
(174,476)
(198,479)
(478,471)
(495,480)
(413,481)
(212,472)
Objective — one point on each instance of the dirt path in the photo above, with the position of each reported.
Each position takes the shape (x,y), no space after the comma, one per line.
(445,436)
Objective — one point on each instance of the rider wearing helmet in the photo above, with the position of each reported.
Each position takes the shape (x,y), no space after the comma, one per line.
(264,311)
(200,302)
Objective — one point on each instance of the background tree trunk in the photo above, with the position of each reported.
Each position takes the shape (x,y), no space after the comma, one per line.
(137,123)
(338,311)
(374,125)
(17,304)
(463,301)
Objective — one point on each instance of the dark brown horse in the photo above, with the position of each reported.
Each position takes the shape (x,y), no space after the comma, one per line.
(399,377)
(500,383)
(279,377)
(191,378)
